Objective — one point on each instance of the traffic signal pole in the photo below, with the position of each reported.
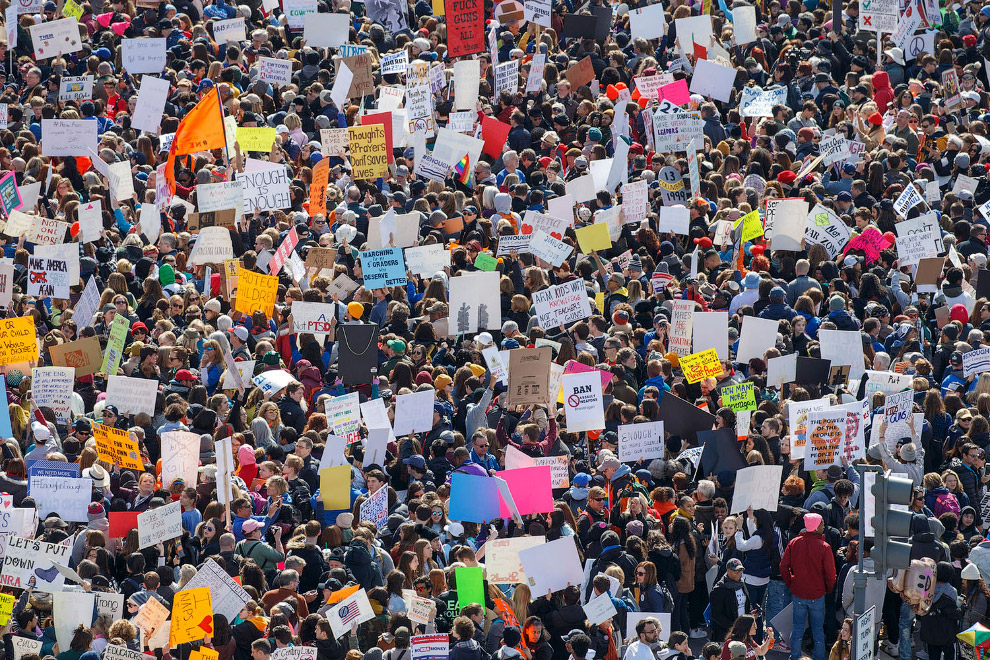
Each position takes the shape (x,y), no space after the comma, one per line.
(886,522)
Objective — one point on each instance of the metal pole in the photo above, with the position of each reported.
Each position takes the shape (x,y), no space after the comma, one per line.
(860,577)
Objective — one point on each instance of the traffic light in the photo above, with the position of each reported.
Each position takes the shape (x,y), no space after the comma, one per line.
(888,522)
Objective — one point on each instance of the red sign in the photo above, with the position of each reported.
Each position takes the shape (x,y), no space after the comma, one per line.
(283,252)
(465,27)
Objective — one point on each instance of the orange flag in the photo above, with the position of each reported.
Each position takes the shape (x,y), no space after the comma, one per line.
(318,189)
(200,130)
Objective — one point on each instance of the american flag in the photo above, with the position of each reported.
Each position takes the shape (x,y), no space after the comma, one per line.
(348,612)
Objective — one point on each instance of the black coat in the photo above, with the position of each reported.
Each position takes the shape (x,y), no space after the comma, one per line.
(940,625)
(725,608)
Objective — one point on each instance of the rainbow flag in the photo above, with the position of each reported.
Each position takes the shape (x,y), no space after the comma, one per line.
(463,170)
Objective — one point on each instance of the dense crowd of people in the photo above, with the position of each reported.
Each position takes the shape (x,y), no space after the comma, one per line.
(661,535)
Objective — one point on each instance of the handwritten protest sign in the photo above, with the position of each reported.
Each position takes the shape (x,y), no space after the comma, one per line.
(369,153)
(192,615)
(52,387)
(26,559)
(699,366)
(159,524)
(255,291)
(226,596)
(639,442)
(741,396)
(18,341)
(132,395)
(758,487)
(826,433)
(562,305)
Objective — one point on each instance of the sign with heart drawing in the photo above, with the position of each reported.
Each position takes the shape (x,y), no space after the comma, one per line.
(533,222)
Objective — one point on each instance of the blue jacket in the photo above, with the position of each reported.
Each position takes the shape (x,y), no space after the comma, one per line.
(778,311)
(843,320)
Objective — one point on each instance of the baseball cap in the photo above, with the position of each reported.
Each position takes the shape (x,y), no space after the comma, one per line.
(239,331)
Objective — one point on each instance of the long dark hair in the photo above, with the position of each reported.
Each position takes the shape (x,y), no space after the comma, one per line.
(740,629)
(680,533)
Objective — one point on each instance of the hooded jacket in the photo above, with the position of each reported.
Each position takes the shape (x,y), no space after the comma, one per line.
(969,479)
(923,541)
(940,625)
(883,94)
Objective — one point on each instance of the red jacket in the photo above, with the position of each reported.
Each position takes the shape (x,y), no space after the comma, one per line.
(808,567)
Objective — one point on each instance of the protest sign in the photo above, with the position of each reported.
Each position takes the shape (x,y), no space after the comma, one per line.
(75,88)
(158,525)
(583,403)
(18,340)
(413,413)
(117,447)
(226,596)
(502,565)
(255,291)
(265,186)
(353,610)
(699,366)
(213,247)
(682,319)
(375,508)
(192,615)
(551,566)
(843,347)
(132,395)
(46,231)
(870,241)
(550,249)
(824,228)
(638,442)
(797,421)
(673,132)
(144,55)
(429,647)
(344,416)
(115,344)
(48,278)
(757,486)
(312,317)
(474,302)
(67,497)
(383,268)
(741,396)
(71,609)
(976,361)
(151,616)
(713,80)
(24,646)
(826,433)
(277,72)
(426,260)
(529,375)
(68,137)
(756,337)
(52,387)
(220,196)
(26,559)
(562,304)
(54,38)
(114,652)
(600,608)
(180,457)
(369,153)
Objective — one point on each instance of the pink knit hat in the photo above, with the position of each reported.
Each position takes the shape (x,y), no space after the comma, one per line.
(812,521)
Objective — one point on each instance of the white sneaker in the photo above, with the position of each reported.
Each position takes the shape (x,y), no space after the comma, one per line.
(923,655)
(698,633)
(889,649)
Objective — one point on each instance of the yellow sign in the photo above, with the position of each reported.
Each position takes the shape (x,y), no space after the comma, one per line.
(752,227)
(204,653)
(438,8)
(255,291)
(600,302)
(192,616)
(335,487)
(369,152)
(72,9)
(699,366)
(255,139)
(18,340)
(6,608)
(117,447)
(593,237)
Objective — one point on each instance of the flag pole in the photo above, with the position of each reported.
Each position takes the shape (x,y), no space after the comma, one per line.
(226,158)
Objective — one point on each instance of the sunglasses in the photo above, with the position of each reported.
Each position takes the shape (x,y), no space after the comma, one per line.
(597,499)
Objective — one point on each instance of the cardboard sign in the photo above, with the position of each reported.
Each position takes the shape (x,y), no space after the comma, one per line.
(255,291)
(224,218)
(529,376)
(581,73)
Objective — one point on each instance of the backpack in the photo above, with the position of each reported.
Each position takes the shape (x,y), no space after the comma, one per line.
(946,503)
